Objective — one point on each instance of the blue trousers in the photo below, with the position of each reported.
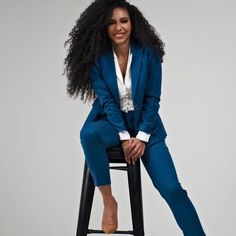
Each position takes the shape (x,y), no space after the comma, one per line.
(97,136)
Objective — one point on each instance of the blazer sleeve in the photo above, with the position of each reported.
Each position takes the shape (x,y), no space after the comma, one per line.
(106,99)
(152,96)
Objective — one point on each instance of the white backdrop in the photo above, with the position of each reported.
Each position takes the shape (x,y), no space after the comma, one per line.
(41,158)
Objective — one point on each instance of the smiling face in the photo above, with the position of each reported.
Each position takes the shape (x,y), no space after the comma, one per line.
(119,27)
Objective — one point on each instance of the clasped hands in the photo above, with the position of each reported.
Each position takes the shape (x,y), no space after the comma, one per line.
(133,149)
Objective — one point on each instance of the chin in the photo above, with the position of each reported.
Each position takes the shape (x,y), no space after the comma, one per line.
(119,42)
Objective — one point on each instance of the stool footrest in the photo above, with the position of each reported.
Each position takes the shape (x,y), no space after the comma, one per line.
(119,167)
(93,231)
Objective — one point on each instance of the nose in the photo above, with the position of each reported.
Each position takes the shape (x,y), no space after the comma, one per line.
(118,26)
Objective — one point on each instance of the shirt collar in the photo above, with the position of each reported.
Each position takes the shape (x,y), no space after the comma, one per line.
(114,54)
(117,67)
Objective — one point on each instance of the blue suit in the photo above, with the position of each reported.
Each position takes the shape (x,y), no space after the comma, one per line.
(105,120)
(145,73)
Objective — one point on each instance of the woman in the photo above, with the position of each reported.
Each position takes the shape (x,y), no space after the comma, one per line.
(115,56)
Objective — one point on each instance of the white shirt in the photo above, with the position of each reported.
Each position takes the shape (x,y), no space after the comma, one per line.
(125,94)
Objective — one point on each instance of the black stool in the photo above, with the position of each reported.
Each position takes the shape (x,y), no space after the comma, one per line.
(135,191)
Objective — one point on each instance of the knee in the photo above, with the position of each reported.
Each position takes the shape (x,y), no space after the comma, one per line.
(88,134)
(174,193)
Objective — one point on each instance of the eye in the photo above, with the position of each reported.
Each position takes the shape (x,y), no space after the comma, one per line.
(124,21)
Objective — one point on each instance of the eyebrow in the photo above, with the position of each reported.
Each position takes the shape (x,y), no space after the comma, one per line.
(123,18)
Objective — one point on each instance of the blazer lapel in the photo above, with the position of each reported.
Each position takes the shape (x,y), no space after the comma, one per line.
(137,54)
(109,71)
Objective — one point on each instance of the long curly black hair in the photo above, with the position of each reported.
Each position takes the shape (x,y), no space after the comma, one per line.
(88,39)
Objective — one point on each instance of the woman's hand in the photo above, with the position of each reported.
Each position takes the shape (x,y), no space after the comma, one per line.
(136,149)
(125,147)
(133,149)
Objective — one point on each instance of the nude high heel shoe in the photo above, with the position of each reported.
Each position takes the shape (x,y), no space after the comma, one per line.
(111,228)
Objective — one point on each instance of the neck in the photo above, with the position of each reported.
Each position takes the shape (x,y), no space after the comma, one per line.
(121,50)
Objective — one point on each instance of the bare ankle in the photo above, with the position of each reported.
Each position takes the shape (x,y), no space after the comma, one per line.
(106,191)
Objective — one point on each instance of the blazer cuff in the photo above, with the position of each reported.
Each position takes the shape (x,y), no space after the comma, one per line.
(124,135)
(143,136)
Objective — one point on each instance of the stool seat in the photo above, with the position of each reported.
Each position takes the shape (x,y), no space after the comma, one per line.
(115,155)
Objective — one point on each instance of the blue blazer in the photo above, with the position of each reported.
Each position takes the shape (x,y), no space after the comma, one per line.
(146,76)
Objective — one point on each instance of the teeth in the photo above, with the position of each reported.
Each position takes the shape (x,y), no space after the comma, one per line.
(119,35)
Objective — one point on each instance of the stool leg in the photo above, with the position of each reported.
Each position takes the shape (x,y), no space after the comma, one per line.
(86,201)
(135,191)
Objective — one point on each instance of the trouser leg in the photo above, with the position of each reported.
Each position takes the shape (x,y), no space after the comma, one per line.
(160,167)
(95,138)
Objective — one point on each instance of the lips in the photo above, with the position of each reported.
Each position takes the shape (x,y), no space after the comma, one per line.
(119,35)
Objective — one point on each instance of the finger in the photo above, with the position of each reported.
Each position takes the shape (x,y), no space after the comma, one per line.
(137,143)
(127,157)
(130,145)
(134,158)
(137,155)
(140,151)
(128,154)
(125,152)
(133,162)
(135,150)
(133,144)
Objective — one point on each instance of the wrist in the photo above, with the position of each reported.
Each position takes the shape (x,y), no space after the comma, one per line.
(143,141)
(123,142)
